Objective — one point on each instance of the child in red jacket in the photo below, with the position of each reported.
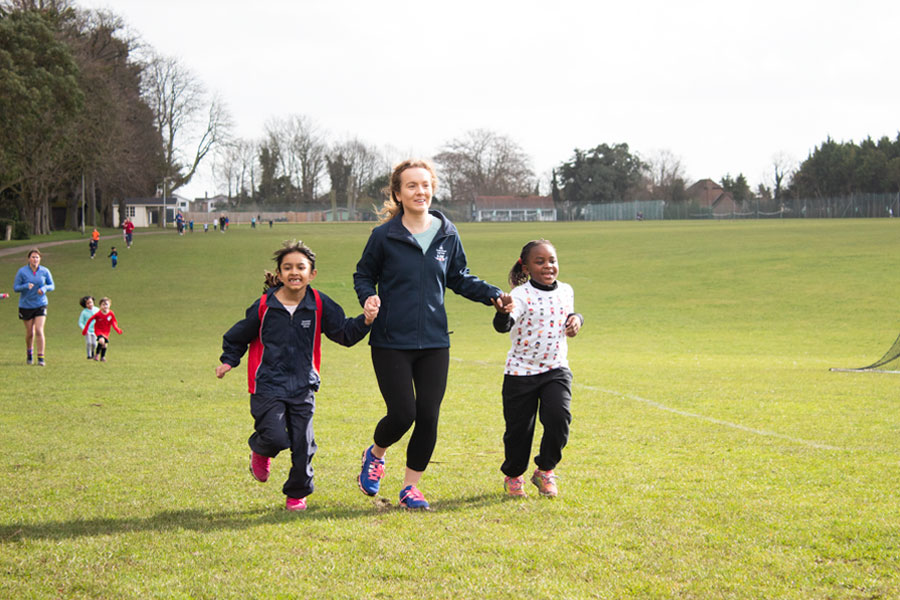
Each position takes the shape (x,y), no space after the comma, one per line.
(103,321)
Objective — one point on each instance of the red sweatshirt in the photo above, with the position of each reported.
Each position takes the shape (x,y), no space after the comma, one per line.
(102,324)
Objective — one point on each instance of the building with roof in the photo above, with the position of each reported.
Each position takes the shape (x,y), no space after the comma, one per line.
(709,194)
(146,212)
(513,208)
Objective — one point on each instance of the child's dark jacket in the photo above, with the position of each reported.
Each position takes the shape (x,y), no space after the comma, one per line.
(285,369)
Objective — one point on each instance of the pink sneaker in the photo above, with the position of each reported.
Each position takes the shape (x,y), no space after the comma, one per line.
(295,503)
(514,486)
(260,466)
(545,482)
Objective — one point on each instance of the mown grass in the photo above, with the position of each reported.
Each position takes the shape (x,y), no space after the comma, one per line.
(713,455)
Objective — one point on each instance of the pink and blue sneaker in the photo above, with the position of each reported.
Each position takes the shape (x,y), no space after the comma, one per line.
(411,497)
(370,475)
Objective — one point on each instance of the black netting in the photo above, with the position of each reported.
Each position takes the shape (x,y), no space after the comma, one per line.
(889,362)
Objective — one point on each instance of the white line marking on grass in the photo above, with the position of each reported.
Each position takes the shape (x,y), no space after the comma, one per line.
(682,413)
(685,413)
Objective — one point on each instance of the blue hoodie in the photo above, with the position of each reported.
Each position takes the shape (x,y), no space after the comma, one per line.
(41,280)
(412,285)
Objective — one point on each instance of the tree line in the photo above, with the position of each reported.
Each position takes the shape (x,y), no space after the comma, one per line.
(90,116)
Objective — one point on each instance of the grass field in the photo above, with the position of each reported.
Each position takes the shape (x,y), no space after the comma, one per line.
(712,455)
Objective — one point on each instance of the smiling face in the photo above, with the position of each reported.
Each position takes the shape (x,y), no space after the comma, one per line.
(104,306)
(89,303)
(542,265)
(295,271)
(415,190)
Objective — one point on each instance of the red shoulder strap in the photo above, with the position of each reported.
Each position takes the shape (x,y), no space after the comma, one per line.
(317,338)
(254,357)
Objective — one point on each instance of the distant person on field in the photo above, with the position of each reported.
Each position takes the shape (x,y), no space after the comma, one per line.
(537,382)
(95,242)
(282,330)
(88,311)
(33,282)
(191,226)
(129,232)
(406,267)
(179,223)
(102,321)
(113,256)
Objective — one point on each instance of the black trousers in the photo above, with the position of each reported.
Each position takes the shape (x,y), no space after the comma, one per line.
(547,396)
(283,423)
(412,383)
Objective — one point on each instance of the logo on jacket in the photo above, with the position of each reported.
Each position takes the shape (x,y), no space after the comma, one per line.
(440,254)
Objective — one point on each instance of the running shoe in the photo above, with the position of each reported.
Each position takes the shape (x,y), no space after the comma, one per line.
(295,504)
(545,482)
(411,497)
(260,466)
(370,475)
(514,486)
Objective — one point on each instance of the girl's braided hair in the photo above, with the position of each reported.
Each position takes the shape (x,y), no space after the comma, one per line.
(287,247)
(517,275)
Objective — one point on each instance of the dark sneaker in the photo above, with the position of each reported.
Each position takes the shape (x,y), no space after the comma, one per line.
(260,466)
(295,504)
(545,482)
(370,475)
(514,486)
(411,497)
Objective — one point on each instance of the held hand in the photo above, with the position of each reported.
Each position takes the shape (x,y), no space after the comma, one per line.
(370,308)
(30,285)
(504,303)
(222,369)
(573,325)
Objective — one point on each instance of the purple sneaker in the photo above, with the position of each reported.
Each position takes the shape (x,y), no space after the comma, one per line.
(411,497)
(260,466)
(370,475)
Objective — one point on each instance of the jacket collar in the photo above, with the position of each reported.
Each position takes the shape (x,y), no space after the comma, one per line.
(308,301)
(396,230)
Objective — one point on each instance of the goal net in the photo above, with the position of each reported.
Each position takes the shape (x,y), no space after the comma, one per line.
(889,363)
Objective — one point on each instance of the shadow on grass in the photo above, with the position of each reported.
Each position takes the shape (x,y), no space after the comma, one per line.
(204,521)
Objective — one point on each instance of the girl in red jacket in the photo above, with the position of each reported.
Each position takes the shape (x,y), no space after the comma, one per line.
(103,321)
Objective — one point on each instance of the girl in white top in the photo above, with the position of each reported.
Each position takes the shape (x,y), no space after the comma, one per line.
(537,381)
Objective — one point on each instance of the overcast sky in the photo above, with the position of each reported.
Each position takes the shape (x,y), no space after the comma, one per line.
(724,86)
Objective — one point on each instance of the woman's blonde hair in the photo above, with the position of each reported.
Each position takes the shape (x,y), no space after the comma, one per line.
(392,207)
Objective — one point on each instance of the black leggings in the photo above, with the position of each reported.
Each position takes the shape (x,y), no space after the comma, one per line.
(412,383)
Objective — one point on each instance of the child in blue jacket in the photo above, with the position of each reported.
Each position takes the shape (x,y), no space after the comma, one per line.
(282,330)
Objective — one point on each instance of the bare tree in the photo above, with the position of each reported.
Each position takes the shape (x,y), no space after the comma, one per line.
(782,166)
(185,115)
(237,162)
(359,165)
(300,147)
(666,176)
(483,162)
